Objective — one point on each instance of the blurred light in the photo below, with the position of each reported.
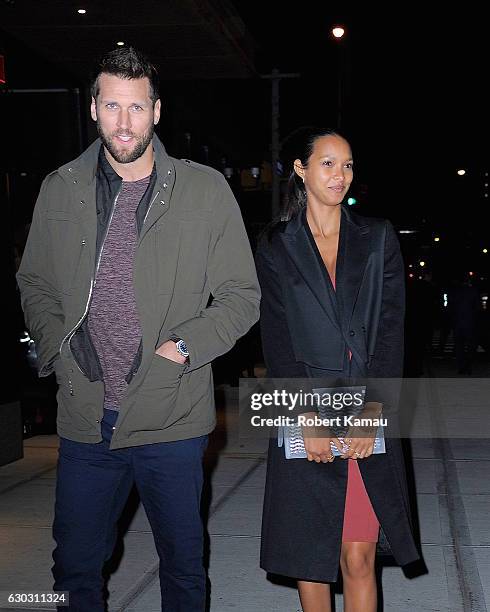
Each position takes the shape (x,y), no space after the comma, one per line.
(422,263)
(81,11)
(410,275)
(228,172)
(23,174)
(420,278)
(407,231)
(410,265)
(461,172)
(338,32)
(436,239)
(351,201)
(444,297)
(120,43)
(255,172)
(485,251)
(471,273)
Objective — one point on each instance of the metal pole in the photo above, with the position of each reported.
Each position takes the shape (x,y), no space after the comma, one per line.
(76,97)
(275,77)
(339,85)
(275,144)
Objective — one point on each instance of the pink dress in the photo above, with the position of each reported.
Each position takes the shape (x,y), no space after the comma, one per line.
(360,522)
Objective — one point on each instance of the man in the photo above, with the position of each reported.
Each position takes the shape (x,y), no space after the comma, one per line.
(126,247)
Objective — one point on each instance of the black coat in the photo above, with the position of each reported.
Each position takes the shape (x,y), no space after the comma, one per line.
(307,329)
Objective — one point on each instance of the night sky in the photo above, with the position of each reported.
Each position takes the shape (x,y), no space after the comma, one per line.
(415,103)
(415,107)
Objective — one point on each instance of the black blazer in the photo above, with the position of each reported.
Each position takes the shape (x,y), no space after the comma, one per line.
(307,328)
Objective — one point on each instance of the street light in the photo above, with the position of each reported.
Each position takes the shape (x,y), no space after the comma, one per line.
(461,172)
(338,33)
(275,78)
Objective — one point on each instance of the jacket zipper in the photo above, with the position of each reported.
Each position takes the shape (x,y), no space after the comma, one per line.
(149,207)
(93,282)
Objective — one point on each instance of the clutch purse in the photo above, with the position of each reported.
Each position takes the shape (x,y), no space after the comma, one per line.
(291,436)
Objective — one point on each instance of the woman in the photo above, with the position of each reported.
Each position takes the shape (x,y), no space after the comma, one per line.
(332,305)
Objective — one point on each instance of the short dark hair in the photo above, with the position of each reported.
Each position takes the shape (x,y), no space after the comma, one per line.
(126,63)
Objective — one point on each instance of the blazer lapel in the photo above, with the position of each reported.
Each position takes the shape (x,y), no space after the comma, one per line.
(302,253)
(354,241)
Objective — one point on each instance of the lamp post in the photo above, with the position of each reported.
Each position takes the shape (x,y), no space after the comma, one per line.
(275,77)
(338,33)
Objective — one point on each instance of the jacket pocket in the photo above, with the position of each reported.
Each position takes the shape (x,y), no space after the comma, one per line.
(163,398)
(70,412)
(67,250)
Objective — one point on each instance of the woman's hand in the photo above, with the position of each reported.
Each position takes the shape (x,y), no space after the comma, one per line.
(358,447)
(360,440)
(318,442)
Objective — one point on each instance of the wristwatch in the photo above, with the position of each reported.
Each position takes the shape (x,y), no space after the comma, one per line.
(181,347)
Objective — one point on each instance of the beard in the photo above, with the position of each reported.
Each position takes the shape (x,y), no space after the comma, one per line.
(130,155)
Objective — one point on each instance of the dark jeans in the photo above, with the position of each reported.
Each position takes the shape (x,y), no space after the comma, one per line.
(93,484)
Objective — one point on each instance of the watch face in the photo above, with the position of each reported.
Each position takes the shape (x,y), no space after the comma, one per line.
(182,348)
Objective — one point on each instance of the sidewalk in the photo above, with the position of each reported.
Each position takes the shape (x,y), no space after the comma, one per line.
(452,480)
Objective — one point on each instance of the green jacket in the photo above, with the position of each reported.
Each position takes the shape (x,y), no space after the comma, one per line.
(192,246)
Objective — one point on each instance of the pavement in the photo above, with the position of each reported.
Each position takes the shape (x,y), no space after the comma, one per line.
(451,480)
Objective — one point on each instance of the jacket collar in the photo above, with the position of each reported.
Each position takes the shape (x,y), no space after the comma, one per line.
(83,169)
(352,255)
(81,174)
(347,216)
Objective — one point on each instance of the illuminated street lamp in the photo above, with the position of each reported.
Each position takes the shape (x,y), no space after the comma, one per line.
(338,34)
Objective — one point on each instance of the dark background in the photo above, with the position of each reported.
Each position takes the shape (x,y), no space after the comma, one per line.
(413,90)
